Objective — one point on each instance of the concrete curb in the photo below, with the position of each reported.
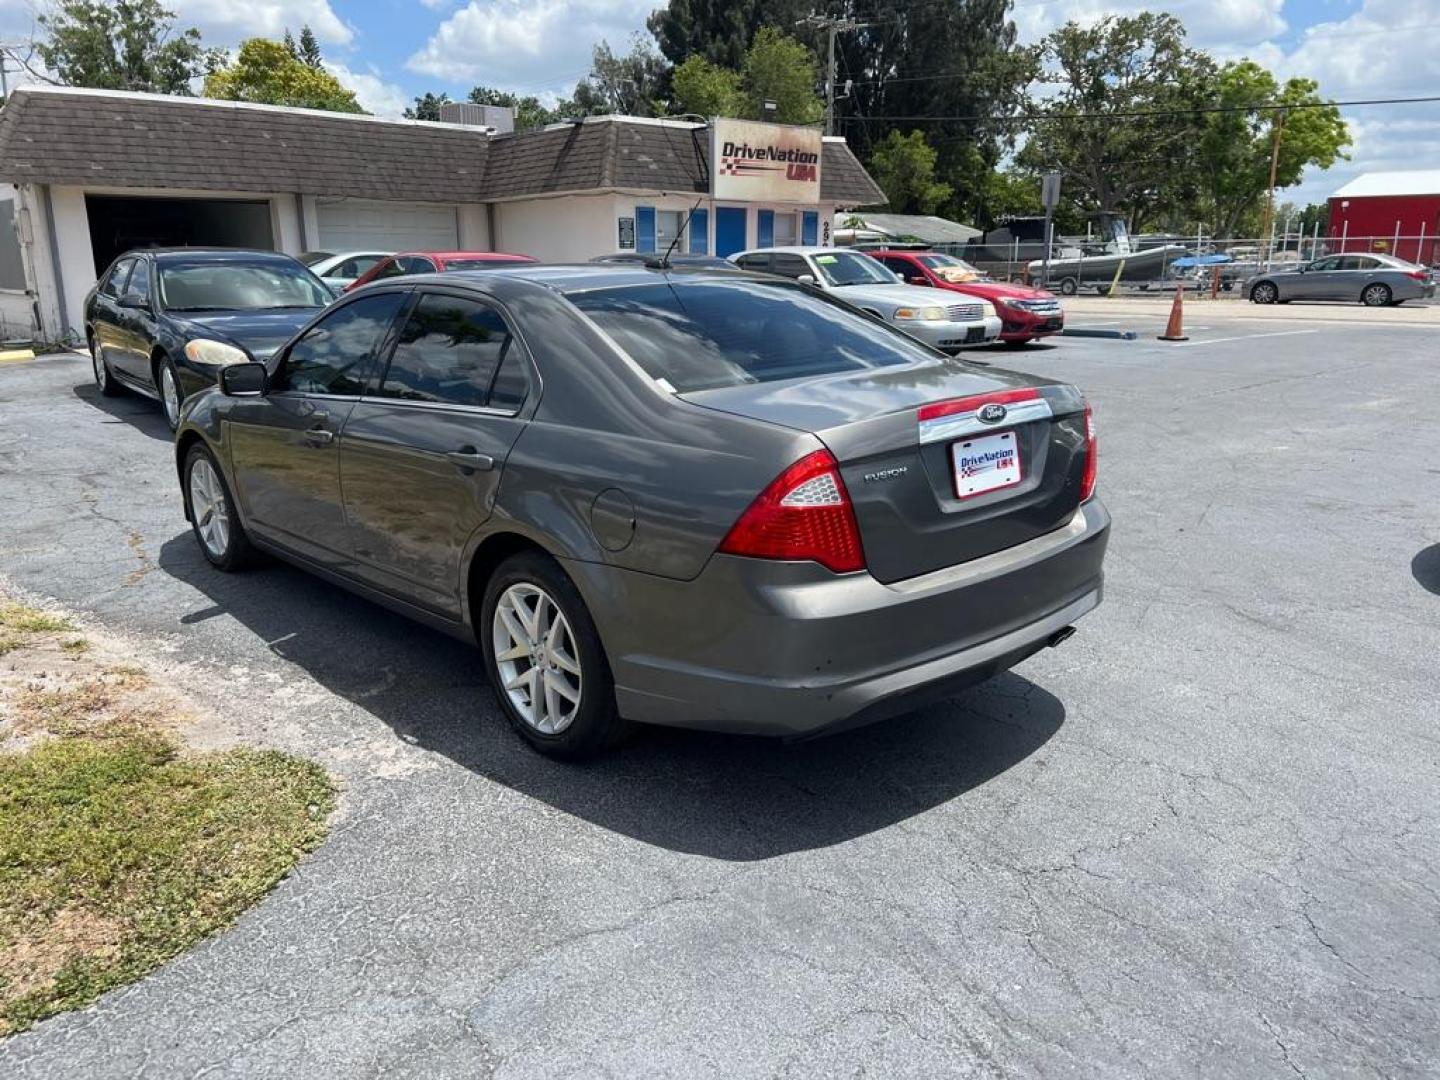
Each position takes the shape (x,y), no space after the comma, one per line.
(1113,335)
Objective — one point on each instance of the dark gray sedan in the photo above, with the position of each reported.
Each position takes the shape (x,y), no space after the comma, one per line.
(1373,280)
(703,498)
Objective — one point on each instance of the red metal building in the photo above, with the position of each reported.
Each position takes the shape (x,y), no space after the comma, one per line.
(1393,212)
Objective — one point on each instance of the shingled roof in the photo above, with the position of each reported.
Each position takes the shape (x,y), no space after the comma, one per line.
(68,136)
(152,141)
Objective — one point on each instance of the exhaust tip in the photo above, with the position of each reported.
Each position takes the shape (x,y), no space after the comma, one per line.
(1063,634)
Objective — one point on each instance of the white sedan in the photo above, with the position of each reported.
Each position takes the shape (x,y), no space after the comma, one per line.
(339,269)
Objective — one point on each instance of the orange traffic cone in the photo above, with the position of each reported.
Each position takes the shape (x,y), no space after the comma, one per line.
(1175,328)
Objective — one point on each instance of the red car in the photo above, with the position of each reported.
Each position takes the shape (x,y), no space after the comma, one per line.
(429,262)
(1025,313)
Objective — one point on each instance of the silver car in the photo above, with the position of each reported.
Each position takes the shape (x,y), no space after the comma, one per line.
(339,270)
(946,323)
(1373,280)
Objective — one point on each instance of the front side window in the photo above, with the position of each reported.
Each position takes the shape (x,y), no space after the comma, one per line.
(453,351)
(1332,263)
(334,354)
(687,333)
(792,266)
(268,285)
(841,268)
(139,282)
(115,280)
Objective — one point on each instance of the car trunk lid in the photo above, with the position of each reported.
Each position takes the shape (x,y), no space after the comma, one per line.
(944,462)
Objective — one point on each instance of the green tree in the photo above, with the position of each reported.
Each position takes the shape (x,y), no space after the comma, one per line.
(904,167)
(427,107)
(721,31)
(265,72)
(632,84)
(309,52)
(953,63)
(706,89)
(122,45)
(1139,88)
(780,69)
(1235,149)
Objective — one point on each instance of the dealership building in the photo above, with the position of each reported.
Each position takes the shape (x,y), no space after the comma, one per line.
(87,174)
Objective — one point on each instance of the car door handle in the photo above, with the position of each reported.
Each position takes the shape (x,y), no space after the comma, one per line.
(470,458)
(319,437)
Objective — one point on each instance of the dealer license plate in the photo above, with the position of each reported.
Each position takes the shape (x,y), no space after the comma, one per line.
(985,463)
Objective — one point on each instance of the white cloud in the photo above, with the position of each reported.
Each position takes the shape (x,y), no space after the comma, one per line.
(526,44)
(371,90)
(1208,23)
(436,5)
(227,22)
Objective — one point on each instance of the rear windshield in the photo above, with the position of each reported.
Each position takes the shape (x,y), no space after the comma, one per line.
(236,286)
(706,334)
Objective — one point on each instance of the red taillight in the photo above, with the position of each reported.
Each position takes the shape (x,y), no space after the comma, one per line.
(805,513)
(1418,275)
(1092,458)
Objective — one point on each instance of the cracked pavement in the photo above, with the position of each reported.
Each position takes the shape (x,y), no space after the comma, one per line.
(1199,839)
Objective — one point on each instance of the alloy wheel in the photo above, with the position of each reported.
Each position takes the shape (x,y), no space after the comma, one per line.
(536,659)
(209,508)
(1264,293)
(169,394)
(1375,296)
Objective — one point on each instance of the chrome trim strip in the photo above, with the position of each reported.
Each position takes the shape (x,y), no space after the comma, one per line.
(943,428)
(1005,561)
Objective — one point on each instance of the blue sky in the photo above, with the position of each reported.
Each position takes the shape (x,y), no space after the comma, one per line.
(391,50)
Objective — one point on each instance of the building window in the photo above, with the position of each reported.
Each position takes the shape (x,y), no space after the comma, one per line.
(668,225)
(787,230)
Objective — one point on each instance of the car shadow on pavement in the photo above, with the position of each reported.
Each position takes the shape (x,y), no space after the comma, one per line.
(1426,568)
(726,797)
(139,412)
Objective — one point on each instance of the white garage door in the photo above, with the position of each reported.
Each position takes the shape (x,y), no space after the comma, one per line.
(359,224)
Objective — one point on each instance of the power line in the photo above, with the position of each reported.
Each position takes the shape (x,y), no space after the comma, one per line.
(1132,114)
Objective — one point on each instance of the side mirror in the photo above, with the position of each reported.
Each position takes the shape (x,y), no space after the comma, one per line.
(806,279)
(244,380)
(134,301)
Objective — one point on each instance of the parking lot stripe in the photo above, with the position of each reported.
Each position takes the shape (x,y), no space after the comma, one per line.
(1243,337)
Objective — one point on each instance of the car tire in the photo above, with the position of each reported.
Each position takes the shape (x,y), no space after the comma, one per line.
(167,384)
(544,659)
(1264,292)
(104,381)
(1376,295)
(1018,343)
(213,517)
(1069,286)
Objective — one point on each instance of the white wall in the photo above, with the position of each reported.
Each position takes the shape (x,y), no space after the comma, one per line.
(575,228)
(567,228)
(285,224)
(474,227)
(77,261)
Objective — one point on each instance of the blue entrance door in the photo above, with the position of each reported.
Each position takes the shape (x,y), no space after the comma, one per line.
(729,230)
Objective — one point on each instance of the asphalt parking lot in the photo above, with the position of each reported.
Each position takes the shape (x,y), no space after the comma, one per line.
(1199,839)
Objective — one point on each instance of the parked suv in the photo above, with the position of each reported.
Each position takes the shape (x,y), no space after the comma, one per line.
(1025,313)
(856,278)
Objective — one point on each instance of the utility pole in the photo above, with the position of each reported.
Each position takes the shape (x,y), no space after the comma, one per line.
(832,26)
(1270,194)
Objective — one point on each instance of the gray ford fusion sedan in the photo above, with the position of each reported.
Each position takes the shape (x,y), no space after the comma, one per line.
(711,499)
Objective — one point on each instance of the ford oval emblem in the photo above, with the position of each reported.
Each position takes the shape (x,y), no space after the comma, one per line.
(992,413)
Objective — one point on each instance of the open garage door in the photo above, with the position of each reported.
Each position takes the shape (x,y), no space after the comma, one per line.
(121,222)
(365,225)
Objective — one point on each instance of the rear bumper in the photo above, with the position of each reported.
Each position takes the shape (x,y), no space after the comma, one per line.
(790,649)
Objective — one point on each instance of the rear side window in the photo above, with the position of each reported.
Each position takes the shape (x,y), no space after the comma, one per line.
(755,262)
(453,351)
(792,266)
(334,354)
(705,334)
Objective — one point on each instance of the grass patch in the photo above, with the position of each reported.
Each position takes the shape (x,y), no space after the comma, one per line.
(75,647)
(25,619)
(118,853)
